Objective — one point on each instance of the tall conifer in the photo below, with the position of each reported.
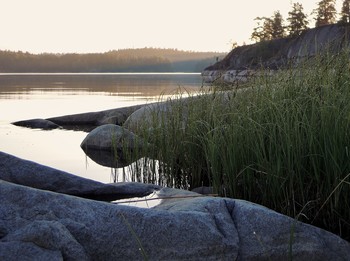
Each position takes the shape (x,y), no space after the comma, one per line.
(345,12)
(269,28)
(278,30)
(297,20)
(325,13)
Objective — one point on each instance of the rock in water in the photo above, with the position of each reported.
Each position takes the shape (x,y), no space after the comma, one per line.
(31,174)
(111,137)
(37,124)
(146,116)
(113,146)
(114,116)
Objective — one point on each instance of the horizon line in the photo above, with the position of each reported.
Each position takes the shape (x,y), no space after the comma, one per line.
(112,50)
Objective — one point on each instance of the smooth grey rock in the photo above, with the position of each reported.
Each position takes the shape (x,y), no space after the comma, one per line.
(204,190)
(37,124)
(145,117)
(111,137)
(114,116)
(15,250)
(114,232)
(266,235)
(51,235)
(82,121)
(155,115)
(31,174)
(185,226)
(177,111)
(114,146)
(263,233)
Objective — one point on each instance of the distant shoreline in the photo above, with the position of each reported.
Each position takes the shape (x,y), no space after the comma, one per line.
(99,73)
(121,61)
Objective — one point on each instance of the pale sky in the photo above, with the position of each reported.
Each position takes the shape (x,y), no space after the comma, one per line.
(65,26)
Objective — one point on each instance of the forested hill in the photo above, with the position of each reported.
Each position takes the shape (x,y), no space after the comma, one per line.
(126,60)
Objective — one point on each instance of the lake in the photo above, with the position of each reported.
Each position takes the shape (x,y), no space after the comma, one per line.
(28,96)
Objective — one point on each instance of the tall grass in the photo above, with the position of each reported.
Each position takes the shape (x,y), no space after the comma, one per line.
(283,141)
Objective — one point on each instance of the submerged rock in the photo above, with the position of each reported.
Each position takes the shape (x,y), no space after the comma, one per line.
(37,124)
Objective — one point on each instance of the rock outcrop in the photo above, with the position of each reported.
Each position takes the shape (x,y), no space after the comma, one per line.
(82,121)
(145,117)
(242,61)
(114,116)
(31,174)
(37,224)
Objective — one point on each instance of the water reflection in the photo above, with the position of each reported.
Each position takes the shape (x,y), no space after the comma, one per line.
(31,96)
(146,85)
(108,158)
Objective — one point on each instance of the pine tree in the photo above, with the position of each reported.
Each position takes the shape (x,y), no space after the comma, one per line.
(325,13)
(263,30)
(277,26)
(345,12)
(297,20)
(268,28)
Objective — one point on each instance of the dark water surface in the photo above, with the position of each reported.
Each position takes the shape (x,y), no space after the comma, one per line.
(28,96)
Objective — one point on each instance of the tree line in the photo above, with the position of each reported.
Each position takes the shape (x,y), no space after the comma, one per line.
(126,60)
(273,27)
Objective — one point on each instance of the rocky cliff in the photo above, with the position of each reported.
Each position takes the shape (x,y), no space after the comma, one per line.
(279,53)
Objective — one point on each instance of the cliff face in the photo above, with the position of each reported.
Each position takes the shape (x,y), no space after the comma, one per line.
(277,53)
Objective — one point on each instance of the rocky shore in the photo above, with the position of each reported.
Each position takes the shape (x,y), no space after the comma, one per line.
(47,214)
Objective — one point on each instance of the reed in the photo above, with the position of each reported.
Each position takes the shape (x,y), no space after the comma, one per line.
(282,141)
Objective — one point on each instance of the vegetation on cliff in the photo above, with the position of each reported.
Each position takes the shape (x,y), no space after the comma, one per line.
(269,28)
(288,51)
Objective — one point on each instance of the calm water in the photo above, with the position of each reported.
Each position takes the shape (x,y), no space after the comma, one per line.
(27,96)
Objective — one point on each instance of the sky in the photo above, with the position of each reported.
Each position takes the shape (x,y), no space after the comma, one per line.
(85,26)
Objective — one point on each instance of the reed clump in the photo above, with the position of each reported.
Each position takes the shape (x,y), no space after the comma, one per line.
(283,141)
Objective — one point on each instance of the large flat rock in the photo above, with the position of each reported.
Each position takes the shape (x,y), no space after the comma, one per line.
(81,229)
(82,121)
(52,225)
(114,116)
(40,221)
(31,174)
